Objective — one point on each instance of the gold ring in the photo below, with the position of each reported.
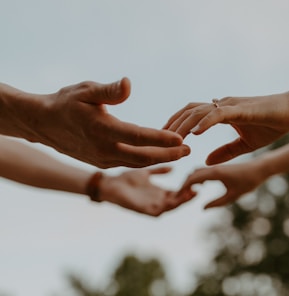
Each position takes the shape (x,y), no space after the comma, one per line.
(216,103)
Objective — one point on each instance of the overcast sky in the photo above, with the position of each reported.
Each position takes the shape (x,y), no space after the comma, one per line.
(174,52)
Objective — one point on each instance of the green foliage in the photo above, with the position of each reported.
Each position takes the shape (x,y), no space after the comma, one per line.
(132,277)
(82,288)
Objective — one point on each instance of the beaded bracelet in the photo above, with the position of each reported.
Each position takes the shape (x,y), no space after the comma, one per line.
(92,187)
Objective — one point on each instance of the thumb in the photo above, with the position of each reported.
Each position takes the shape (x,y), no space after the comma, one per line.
(113,93)
(221,201)
(228,152)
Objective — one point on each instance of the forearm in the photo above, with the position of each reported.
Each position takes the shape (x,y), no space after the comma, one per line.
(21,163)
(19,112)
(274,162)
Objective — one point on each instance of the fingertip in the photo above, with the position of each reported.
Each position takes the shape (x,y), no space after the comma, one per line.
(208,206)
(197,130)
(160,170)
(171,138)
(187,150)
(166,126)
(212,160)
(178,139)
(116,92)
(125,87)
(209,161)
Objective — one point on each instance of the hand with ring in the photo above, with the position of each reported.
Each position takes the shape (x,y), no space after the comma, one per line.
(259,121)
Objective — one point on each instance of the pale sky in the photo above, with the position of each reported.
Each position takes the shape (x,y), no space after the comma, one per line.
(174,52)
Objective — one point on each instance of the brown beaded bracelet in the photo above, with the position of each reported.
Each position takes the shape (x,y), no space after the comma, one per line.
(92,187)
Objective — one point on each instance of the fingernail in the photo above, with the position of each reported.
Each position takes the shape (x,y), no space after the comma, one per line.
(187,150)
(117,85)
(195,129)
(177,140)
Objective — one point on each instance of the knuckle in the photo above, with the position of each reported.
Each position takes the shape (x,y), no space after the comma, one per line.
(86,89)
(193,112)
(188,112)
(137,136)
(217,113)
(87,86)
(189,106)
(194,105)
(107,92)
(227,101)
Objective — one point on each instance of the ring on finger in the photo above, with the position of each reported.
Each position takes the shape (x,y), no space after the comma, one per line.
(216,103)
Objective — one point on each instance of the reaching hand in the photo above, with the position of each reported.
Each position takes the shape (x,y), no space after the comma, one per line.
(259,121)
(75,122)
(238,180)
(133,190)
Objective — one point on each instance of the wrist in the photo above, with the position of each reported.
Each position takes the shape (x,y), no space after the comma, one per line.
(19,113)
(265,168)
(93,187)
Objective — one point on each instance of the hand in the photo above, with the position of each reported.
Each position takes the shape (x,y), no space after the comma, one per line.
(237,178)
(76,122)
(259,121)
(133,190)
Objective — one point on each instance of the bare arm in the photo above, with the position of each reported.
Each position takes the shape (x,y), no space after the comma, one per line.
(23,164)
(132,190)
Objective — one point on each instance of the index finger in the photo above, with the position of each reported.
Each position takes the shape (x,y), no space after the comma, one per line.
(135,135)
(145,156)
(160,170)
(179,113)
(199,176)
(217,115)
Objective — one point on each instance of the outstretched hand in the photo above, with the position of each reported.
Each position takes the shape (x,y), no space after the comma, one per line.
(134,190)
(75,122)
(91,134)
(259,121)
(237,178)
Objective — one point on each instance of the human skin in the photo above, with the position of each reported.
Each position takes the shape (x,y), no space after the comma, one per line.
(259,121)
(132,189)
(242,178)
(75,121)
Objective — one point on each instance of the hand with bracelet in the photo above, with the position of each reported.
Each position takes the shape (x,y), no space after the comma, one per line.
(259,121)
(132,189)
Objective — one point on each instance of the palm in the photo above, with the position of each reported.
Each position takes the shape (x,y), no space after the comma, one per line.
(134,190)
(257,136)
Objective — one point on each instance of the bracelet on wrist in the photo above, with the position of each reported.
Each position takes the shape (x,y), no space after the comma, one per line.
(92,187)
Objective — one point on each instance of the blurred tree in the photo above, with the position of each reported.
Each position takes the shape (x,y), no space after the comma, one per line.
(253,254)
(81,288)
(135,277)
(132,277)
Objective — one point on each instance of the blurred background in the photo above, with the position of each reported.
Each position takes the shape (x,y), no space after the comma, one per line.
(174,52)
